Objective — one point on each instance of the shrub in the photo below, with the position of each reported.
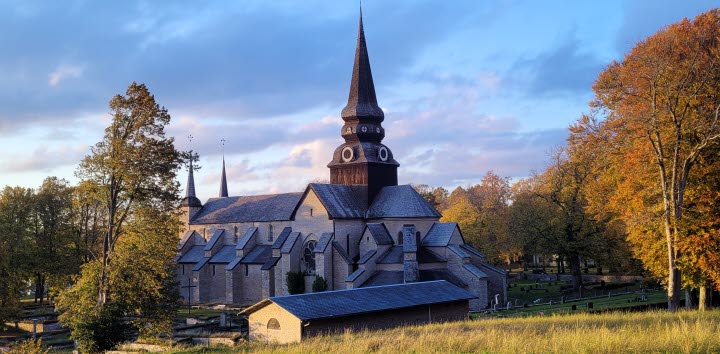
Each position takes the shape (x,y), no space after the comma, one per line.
(295,282)
(29,346)
(319,284)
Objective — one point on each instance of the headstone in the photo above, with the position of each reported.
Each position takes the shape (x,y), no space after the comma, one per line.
(589,305)
(34,334)
(497,299)
(574,307)
(509,305)
(562,299)
(223,320)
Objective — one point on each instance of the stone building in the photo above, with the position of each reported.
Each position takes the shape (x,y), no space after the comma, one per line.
(362,229)
(286,319)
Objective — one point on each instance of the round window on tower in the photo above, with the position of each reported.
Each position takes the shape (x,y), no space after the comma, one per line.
(364,129)
(347,154)
(377,130)
(383,153)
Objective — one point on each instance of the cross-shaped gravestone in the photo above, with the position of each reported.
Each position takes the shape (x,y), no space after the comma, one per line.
(189,287)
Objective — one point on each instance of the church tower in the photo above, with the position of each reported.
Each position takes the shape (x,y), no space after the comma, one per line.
(189,205)
(363,159)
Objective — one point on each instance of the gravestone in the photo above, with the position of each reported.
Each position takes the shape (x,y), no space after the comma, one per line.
(509,305)
(590,305)
(223,320)
(574,307)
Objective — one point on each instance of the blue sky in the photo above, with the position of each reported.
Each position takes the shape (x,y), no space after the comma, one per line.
(467,86)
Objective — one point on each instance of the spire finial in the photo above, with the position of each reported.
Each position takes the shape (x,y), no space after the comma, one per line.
(223,178)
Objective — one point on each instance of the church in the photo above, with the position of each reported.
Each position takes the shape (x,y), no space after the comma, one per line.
(360,230)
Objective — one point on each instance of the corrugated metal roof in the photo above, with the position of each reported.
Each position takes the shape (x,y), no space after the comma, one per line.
(400,202)
(439,234)
(270,207)
(226,254)
(290,242)
(246,238)
(342,201)
(214,239)
(341,303)
(259,255)
(193,255)
(324,241)
(281,238)
(475,270)
(380,233)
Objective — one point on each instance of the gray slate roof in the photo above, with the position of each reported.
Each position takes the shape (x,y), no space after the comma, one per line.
(193,255)
(380,233)
(385,277)
(214,239)
(400,202)
(324,241)
(395,255)
(467,247)
(342,303)
(246,238)
(342,201)
(439,234)
(366,257)
(458,251)
(270,263)
(475,270)
(185,239)
(270,207)
(201,264)
(259,255)
(340,250)
(441,274)
(226,254)
(290,242)
(281,238)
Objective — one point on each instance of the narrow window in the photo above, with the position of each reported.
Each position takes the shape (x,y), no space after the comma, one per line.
(235,234)
(183,269)
(246,270)
(417,234)
(400,238)
(273,324)
(213,270)
(310,211)
(270,233)
(367,239)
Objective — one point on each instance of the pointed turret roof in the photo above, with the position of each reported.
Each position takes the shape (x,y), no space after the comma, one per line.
(223,182)
(362,101)
(190,199)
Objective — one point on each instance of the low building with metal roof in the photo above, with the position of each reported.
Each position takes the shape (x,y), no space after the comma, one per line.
(285,319)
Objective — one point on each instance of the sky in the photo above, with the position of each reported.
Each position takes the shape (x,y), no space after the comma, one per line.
(466,86)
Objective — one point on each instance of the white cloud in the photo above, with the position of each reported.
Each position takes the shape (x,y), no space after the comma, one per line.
(65,72)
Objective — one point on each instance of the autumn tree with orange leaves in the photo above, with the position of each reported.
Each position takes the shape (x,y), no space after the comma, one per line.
(660,106)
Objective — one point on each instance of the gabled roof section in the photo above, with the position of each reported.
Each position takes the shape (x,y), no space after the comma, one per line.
(340,250)
(193,255)
(281,238)
(400,202)
(225,255)
(493,268)
(187,237)
(470,249)
(233,264)
(325,240)
(201,264)
(475,270)
(290,242)
(458,251)
(393,255)
(214,239)
(439,234)
(269,207)
(246,238)
(259,255)
(366,257)
(342,303)
(270,263)
(380,233)
(341,201)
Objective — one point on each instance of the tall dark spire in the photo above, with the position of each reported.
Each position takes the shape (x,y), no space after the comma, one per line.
(362,102)
(190,199)
(223,182)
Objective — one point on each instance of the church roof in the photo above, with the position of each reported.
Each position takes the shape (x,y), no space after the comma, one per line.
(380,233)
(342,201)
(323,242)
(282,237)
(246,238)
(340,303)
(400,202)
(387,277)
(226,254)
(193,255)
(270,207)
(475,270)
(259,255)
(439,234)
(395,255)
(214,239)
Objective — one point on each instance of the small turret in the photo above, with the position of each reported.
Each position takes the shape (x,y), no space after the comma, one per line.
(189,205)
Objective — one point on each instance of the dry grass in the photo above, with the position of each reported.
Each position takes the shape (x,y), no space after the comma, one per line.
(683,332)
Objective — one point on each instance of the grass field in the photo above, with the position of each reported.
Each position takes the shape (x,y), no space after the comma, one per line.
(682,332)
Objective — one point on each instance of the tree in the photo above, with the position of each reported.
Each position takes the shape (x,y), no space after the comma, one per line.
(15,248)
(662,105)
(435,196)
(133,166)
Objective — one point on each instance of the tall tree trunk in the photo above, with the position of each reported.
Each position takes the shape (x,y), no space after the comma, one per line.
(576,274)
(705,297)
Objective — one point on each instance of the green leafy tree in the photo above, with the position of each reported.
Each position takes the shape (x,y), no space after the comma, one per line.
(295,282)
(319,284)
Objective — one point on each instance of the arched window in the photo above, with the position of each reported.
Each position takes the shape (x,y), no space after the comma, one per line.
(273,324)
(400,238)
(309,257)
(270,233)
